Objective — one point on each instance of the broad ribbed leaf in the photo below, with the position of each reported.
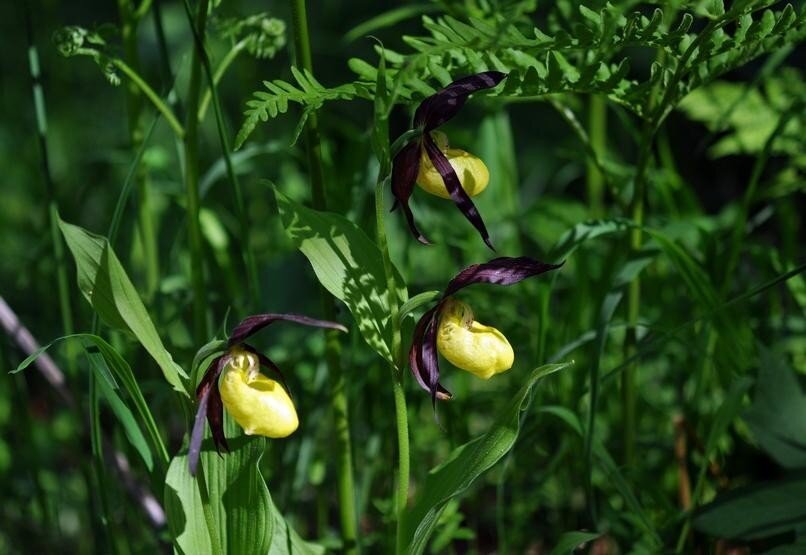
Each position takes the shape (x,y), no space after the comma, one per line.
(348,265)
(104,283)
(464,466)
(245,517)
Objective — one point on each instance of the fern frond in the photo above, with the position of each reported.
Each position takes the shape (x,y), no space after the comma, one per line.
(307,92)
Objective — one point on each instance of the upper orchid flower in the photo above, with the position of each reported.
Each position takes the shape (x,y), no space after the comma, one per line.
(436,168)
(450,327)
(260,405)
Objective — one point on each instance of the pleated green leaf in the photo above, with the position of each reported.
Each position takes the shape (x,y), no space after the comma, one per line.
(348,264)
(469,461)
(104,283)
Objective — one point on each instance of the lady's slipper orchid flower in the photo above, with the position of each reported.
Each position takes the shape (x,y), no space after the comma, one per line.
(450,327)
(233,381)
(436,168)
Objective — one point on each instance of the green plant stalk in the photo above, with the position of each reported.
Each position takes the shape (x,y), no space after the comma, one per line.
(192,185)
(243,216)
(222,67)
(597,130)
(134,109)
(65,308)
(658,113)
(740,222)
(155,99)
(347,506)
(207,510)
(401,411)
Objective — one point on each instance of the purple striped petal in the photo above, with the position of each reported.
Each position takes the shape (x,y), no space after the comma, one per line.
(423,358)
(215,417)
(405,167)
(194,447)
(499,271)
(209,400)
(444,104)
(459,196)
(252,324)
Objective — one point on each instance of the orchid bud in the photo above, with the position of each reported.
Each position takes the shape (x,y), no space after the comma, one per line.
(467,344)
(260,405)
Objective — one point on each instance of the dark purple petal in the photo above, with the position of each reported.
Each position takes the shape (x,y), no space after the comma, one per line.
(405,167)
(206,395)
(253,324)
(215,417)
(444,104)
(459,196)
(499,271)
(194,447)
(423,358)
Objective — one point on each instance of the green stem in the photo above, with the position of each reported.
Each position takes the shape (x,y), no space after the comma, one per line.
(313,147)
(240,207)
(151,95)
(740,222)
(66,311)
(223,65)
(192,184)
(134,108)
(401,412)
(207,510)
(597,130)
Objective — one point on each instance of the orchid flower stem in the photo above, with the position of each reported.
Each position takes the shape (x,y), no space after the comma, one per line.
(192,185)
(401,412)
(347,491)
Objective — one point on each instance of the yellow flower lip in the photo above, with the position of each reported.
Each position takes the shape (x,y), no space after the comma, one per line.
(259,404)
(471,170)
(469,345)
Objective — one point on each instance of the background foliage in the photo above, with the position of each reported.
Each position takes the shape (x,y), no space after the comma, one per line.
(657,147)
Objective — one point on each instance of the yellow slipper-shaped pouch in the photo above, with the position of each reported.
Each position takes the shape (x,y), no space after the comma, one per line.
(467,344)
(260,405)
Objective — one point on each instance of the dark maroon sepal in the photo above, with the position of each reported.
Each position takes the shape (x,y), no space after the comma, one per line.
(405,166)
(252,324)
(499,271)
(194,447)
(444,104)
(423,357)
(210,408)
(459,196)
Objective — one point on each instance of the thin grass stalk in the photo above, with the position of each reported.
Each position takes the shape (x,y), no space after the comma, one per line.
(134,109)
(313,147)
(240,207)
(200,328)
(65,308)
(597,131)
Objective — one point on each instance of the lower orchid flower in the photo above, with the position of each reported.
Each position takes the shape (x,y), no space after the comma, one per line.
(450,328)
(259,404)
